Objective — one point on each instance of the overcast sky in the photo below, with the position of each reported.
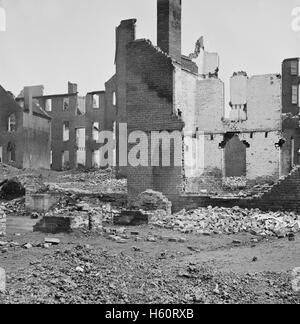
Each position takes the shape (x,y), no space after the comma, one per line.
(52,41)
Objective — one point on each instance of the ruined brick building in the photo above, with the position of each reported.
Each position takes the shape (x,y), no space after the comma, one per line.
(159,89)
(76,122)
(24,130)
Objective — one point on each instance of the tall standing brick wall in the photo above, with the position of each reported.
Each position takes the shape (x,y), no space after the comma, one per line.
(150,107)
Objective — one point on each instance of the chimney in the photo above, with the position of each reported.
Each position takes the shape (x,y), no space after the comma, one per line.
(72,88)
(28,99)
(169,27)
(125,33)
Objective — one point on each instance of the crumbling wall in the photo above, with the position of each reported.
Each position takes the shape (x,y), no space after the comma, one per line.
(264,105)
(36,142)
(263,156)
(150,107)
(210,104)
(77,118)
(14,139)
(288,81)
(125,33)
(59,117)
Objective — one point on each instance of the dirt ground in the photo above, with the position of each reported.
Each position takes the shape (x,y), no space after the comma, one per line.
(150,265)
(199,270)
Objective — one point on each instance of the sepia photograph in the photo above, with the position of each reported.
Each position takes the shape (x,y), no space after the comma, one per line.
(149,154)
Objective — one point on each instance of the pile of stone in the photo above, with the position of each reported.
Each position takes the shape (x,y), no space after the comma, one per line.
(234,183)
(2,221)
(97,181)
(152,200)
(69,215)
(209,221)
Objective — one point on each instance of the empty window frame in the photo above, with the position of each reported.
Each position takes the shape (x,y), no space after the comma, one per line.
(66,160)
(48,105)
(96,101)
(12,123)
(66,131)
(295,94)
(294,68)
(96,131)
(80,106)
(66,103)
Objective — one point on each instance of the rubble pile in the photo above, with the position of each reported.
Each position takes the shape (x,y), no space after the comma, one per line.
(235,220)
(71,213)
(7,171)
(234,183)
(151,200)
(98,181)
(15,207)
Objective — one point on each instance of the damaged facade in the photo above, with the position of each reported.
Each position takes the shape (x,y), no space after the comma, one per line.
(24,130)
(76,123)
(159,89)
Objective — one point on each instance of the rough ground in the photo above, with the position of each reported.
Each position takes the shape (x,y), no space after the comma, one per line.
(149,268)
(148,264)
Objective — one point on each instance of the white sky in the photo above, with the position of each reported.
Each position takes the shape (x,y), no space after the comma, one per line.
(52,42)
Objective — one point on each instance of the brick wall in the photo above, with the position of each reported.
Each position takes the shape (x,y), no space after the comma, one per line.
(105,114)
(125,33)
(150,107)
(31,138)
(288,80)
(284,195)
(169,27)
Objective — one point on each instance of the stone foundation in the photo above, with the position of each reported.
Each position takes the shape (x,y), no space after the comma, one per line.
(55,224)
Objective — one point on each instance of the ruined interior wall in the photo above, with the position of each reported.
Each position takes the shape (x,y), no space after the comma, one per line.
(213,154)
(36,142)
(264,104)
(209,114)
(185,97)
(210,105)
(263,158)
(261,130)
